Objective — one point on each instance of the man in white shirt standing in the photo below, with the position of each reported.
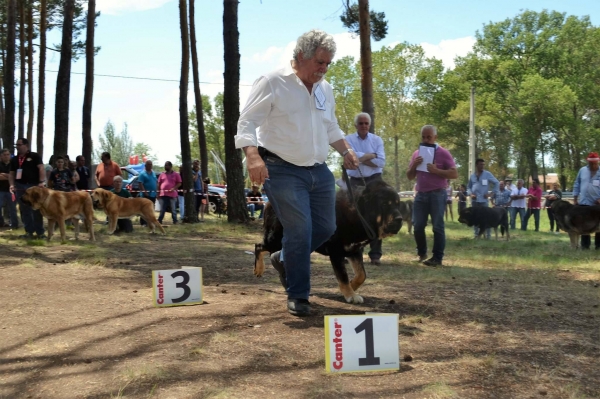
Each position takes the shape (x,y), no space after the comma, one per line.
(369,150)
(294,111)
(518,204)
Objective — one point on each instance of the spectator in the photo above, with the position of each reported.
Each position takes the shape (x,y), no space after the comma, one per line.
(84,174)
(534,204)
(508,184)
(554,195)
(5,194)
(198,188)
(49,167)
(180,196)
(73,168)
(517,197)
(106,172)
(502,199)
(479,187)
(586,192)
(462,198)
(123,224)
(168,184)
(431,196)
(449,202)
(147,181)
(371,155)
(27,170)
(255,202)
(61,178)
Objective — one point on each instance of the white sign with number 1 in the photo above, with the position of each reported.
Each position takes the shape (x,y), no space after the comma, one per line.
(361,343)
(177,287)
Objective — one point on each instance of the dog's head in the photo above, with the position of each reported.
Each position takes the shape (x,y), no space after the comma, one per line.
(380,205)
(561,207)
(467,216)
(100,197)
(35,196)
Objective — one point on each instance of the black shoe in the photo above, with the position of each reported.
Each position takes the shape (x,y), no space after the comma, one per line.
(278,265)
(26,236)
(298,307)
(432,262)
(41,236)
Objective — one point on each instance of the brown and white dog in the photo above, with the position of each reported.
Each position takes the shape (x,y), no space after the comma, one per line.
(116,207)
(58,206)
(576,220)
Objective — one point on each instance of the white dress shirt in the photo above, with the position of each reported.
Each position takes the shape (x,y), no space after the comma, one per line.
(519,203)
(289,123)
(372,144)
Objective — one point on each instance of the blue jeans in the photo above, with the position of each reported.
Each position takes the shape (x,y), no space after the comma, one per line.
(6,198)
(536,217)
(304,202)
(255,207)
(181,199)
(513,217)
(430,203)
(488,232)
(163,207)
(32,219)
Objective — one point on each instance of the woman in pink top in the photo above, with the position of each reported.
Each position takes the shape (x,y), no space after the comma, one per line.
(168,183)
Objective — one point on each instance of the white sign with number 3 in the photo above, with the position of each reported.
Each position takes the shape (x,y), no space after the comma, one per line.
(361,343)
(177,287)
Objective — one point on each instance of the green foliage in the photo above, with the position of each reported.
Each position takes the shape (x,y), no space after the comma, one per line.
(350,20)
(120,146)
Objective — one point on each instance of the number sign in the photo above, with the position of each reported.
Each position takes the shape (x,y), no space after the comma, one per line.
(361,343)
(177,287)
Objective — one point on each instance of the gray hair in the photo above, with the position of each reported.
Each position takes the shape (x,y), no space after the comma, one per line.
(360,115)
(521,181)
(117,178)
(428,127)
(310,41)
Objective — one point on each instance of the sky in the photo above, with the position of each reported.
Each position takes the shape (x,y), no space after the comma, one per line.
(141,39)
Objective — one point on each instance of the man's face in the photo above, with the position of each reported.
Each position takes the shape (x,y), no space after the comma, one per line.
(480,166)
(520,184)
(168,166)
(312,70)
(60,164)
(428,136)
(72,165)
(118,184)
(501,185)
(507,183)
(105,160)
(362,126)
(196,166)
(535,184)
(148,166)
(21,148)
(81,161)
(5,157)
(555,186)
(593,165)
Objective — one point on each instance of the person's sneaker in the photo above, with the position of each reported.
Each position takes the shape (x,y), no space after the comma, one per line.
(557,232)
(432,262)
(376,262)
(278,265)
(298,307)
(420,258)
(26,236)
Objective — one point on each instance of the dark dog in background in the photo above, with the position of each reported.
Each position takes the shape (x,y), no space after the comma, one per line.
(378,203)
(485,218)
(576,220)
(406,210)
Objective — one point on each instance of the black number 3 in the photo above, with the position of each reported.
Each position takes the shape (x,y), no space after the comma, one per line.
(187,291)
(367,327)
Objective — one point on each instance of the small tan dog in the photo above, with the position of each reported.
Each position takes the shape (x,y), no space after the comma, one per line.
(116,207)
(58,206)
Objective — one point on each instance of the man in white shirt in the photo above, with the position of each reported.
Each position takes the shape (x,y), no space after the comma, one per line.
(294,111)
(518,204)
(369,150)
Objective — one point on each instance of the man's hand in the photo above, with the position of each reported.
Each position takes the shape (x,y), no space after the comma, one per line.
(351,160)
(474,196)
(256,166)
(418,161)
(12,189)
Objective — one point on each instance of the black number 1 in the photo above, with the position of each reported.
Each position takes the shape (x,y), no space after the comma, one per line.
(186,290)
(367,327)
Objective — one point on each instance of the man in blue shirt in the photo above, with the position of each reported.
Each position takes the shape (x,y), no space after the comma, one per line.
(198,192)
(147,180)
(586,192)
(479,187)
(502,199)
(369,150)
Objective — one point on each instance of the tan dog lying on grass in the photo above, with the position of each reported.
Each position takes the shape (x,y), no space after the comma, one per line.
(116,207)
(58,206)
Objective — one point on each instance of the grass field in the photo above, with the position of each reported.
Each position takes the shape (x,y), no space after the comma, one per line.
(516,319)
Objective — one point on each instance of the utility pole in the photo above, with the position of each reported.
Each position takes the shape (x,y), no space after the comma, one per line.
(472,140)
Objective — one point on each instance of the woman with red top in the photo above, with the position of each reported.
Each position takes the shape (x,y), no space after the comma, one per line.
(534,195)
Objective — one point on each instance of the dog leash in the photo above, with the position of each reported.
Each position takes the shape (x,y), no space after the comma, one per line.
(370,233)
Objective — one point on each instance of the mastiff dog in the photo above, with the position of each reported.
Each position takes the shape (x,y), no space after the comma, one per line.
(576,220)
(485,218)
(58,206)
(116,207)
(378,203)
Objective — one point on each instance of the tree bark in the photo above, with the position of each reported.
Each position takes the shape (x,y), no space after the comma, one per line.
(197,95)
(42,78)
(22,61)
(184,127)
(365,61)
(31,112)
(9,76)
(63,83)
(396,163)
(88,95)
(236,202)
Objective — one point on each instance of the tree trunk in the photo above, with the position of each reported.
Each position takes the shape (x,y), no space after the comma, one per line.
(396,163)
(9,76)
(533,167)
(30,114)
(184,127)
(88,95)
(63,83)
(236,202)
(22,65)
(42,78)
(365,61)
(197,95)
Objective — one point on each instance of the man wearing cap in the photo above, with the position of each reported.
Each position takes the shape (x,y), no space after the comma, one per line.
(586,192)
(479,187)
